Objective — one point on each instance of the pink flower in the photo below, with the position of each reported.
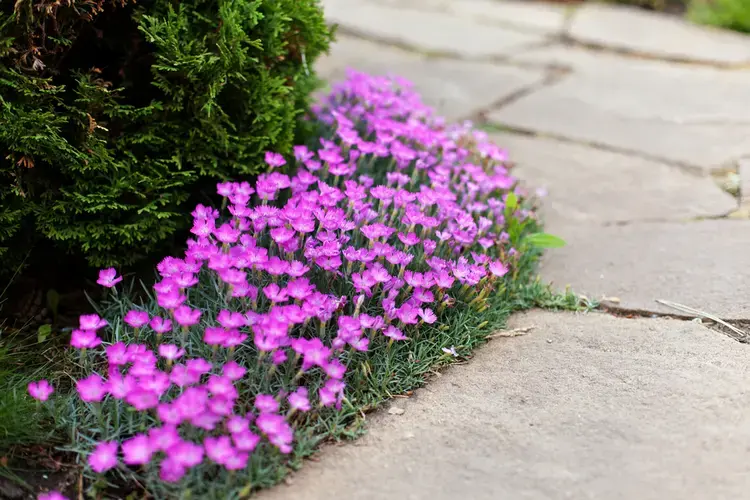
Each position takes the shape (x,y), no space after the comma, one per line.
(141,399)
(233,371)
(92,388)
(186,453)
(186,316)
(427,316)
(137,450)
(108,277)
(160,325)
(394,333)
(104,456)
(498,269)
(40,390)
(136,319)
(237,424)
(236,461)
(170,352)
(163,438)
(52,495)
(170,470)
(266,404)
(219,449)
(245,440)
(274,160)
(84,339)
(298,400)
(91,322)
(117,354)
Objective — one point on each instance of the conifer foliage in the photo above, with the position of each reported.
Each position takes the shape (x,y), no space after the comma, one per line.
(114,114)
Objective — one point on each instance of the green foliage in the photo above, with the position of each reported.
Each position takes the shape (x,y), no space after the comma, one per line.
(730,14)
(115,114)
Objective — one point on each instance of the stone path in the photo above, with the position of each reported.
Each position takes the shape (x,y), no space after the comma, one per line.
(631,121)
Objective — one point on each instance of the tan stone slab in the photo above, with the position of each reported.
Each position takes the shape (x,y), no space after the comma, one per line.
(589,185)
(703,264)
(688,114)
(660,35)
(534,17)
(582,407)
(455,88)
(426,31)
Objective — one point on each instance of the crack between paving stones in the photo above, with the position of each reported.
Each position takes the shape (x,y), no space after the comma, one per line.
(628,313)
(570,41)
(553,77)
(504,60)
(481,120)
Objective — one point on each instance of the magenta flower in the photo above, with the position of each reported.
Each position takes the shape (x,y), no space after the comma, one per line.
(108,277)
(274,160)
(266,404)
(52,495)
(498,269)
(164,438)
(170,470)
(427,316)
(394,333)
(104,456)
(186,453)
(40,390)
(91,322)
(245,440)
(137,450)
(136,319)
(160,325)
(172,299)
(233,371)
(92,388)
(219,449)
(84,339)
(298,400)
(186,316)
(117,354)
(171,352)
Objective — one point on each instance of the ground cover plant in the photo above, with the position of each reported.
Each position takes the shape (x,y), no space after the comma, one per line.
(96,94)
(727,14)
(392,244)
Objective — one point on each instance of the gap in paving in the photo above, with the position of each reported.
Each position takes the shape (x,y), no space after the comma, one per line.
(741,324)
(482,121)
(572,42)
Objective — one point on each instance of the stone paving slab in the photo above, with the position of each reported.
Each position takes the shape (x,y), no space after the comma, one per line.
(426,31)
(586,185)
(455,88)
(656,34)
(534,17)
(701,264)
(583,407)
(688,114)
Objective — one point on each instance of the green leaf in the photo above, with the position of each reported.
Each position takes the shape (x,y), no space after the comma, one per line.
(511,203)
(544,240)
(43,332)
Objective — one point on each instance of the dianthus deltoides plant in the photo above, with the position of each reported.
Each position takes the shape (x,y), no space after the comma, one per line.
(307,294)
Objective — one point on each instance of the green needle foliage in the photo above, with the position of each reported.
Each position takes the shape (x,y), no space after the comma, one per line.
(115,114)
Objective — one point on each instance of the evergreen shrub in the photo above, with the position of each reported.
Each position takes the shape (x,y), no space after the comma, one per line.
(115,114)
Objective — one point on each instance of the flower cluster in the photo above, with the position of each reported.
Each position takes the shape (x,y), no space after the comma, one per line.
(365,239)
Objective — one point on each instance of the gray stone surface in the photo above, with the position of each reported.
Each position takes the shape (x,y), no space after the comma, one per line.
(455,88)
(586,185)
(659,35)
(534,17)
(583,407)
(427,31)
(701,264)
(688,114)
